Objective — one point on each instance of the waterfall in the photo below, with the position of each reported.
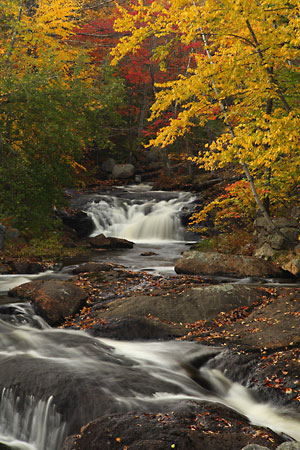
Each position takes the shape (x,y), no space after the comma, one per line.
(149,218)
(36,427)
(55,381)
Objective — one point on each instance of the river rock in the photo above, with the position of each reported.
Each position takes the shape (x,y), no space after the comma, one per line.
(289,446)
(94,267)
(286,238)
(137,328)
(122,171)
(293,266)
(108,165)
(54,300)
(192,305)
(79,221)
(104,242)
(254,447)
(211,263)
(273,324)
(203,426)
(26,267)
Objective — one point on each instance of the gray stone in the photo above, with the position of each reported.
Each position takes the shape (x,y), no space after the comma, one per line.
(291,234)
(254,447)
(102,241)
(210,263)
(289,446)
(2,235)
(293,266)
(54,300)
(108,165)
(264,252)
(277,242)
(123,171)
(192,305)
(261,222)
(295,214)
(285,222)
(279,222)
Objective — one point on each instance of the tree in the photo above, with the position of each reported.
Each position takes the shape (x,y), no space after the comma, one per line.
(52,108)
(248,77)
(140,71)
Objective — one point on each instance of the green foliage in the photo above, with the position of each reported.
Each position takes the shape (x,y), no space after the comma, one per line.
(50,246)
(55,105)
(239,241)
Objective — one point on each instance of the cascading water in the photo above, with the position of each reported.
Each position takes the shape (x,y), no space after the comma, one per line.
(36,426)
(55,381)
(148,218)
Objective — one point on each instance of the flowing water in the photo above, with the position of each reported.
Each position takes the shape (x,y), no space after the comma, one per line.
(66,378)
(145,217)
(53,381)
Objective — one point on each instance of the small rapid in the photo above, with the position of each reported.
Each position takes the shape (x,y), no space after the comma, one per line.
(53,381)
(147,218)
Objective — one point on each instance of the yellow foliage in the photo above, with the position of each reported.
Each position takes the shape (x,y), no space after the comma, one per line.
(248,65)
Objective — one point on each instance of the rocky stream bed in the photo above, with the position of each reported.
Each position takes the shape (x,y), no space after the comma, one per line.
(113,358)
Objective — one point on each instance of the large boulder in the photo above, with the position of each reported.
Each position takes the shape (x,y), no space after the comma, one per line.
(79,221)
(211,263)
(284,237)
(54,300)
(108,165)
(94,267)
(202,425)
(123,171)
(293,266)
(192,305)
(104,242)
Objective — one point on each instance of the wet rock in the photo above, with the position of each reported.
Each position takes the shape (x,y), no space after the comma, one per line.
(94,267)
(137,328)
(274,324)
(19,266)
(4,447)
(203,425)
(122,171)
(289,446)
(254,447)
(53,300)
(104,242)
(210,263)
(26,267)
(149,254)
(202,303)
(79,221)
(108,165)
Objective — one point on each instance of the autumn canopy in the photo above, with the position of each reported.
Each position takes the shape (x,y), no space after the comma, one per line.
(77,77)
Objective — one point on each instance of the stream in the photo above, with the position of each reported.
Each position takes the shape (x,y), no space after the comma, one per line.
(54,381)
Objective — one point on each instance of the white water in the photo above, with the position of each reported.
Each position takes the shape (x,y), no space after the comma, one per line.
(33,421)
(123,370)
(144,220)
(40,427)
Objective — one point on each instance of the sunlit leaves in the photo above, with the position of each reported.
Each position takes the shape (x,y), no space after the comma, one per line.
(248,64)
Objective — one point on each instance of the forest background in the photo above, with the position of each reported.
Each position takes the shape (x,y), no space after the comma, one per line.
(210,87)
